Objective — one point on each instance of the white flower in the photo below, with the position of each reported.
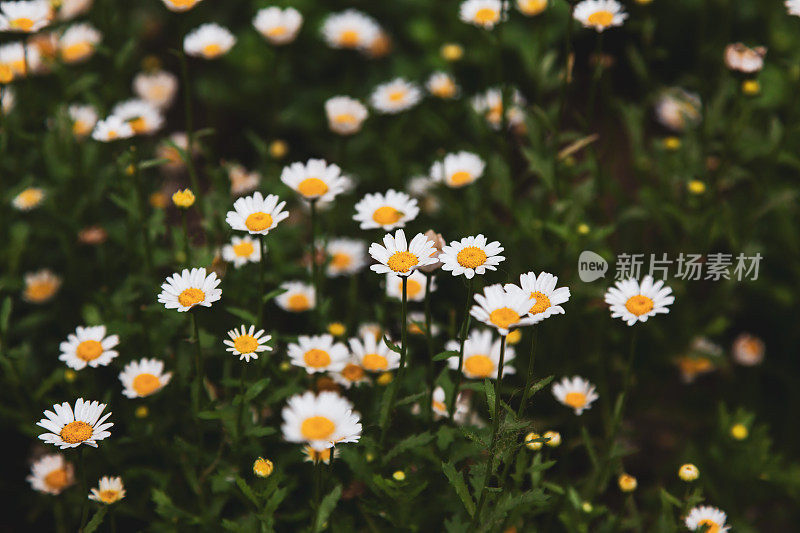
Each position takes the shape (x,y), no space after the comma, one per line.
(111,129)
(345,114)
(108,491)
(470,256)
(180,5)
(748,350)
(576,393)
(530,8)
(315,180)
(84,118)
(68,428)
(350,29)
(415,286)
(88,346)
(24,16)
(373,354)
(440,410)
(458,169)
(278,26)
(481,355)
(242,250)
(321,421)
(7,99)
(442,85)
(318,353)
(352,374)
(184,290)
(600,14)
(247,343)
(256,214)
(12,55)
(28,199)
(490,105)
(143,378)
(311,455)
(242,181)
(483,13)
(634,302)
(298,297)
(40,286)
(78,42)
(51,474)
(209,41)
(158,88)
(348,256)
(401,257)
(542,289)
(502,310)
(143,117)
(743,59)
(677,109)
(388,211)
(72,8)
(793,7)
(705,515)
(395,96)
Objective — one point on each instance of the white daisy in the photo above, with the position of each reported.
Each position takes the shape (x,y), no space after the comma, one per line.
(28,199)
(371,328)
(12,56)
(78,42)
(347,257)
(793,7)
(184,290)
(442,85)
(242,180)
(458,169)
(112,129)
(278,26)
(415,286)
(180,5)
(318,353)
(24,16)
(634,302)
(416,323)
(350,29)
(388,211)
(481,355)
(502,310)
(40,286)
(247,343)
(744,59)
(70,9)
(209,41)
(143,378)
(748,350)
(314,180)
(600,14)
(439,406)
(298,297)
(166,150)
(710,517)
(108,491)
(576,393)
(530,8)
(256,214)
(88,346)
(399,256)
(51,474)
(542,288)
(471,255)
(242,250)
(345,114)
(84,118)
(678,109)
(352,374)
(68,428)
(158,87)
(490,105)
(483,13)
(144,117)
(395,96)
(373,354)
(321,421)
(315,456)
(7,100)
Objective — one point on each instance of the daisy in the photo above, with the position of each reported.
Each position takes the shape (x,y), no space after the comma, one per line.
(247,343)
(470,256)
(12,58)
(68,428)
(112,129)
(7,100)
(542,288)
(483,13)
(395,96)
(298,297)
(28,199)
(748,350)
(184,290)
(70,9)
(373,354)
(242,250)
(313,456)
(439,406)
(678,109)
(242,181)
(40,286)
(348,256)
(743,59)
(458,169)
(278,26)
(108,491)
(88,346)
(529,8)
(576,393)
(416,324)
(318,353)
(24,16)
(84,118)
(793,7)
(209,41)
(442,85)
(352,374)
(371,328)
(350,29)
(51,474)
(168,149)
(315,180)
(345,114)
(158,88)
(398,256)
(691,366)
(388,211)
(415,286)
(143,116)
(438,245)
(481,355)
(502,310)
(180,5)
(79,42)
(710,517)
(143,378)
(321,421)
(256,214)
(490,105)
(600,14)
(634,302)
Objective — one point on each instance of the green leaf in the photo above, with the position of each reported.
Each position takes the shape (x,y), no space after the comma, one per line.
(5,314)
(326,507)
(393,347)
(96,520)
(472,436)
(255,389)
(414,441)
(248,492)
(457,481)
(272,294)
(260,431)
(488,388)
(443,356)
(539,385)
(245,315)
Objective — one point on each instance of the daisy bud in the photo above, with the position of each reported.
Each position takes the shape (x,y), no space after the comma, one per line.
(183,199)
(278,149)
(555,439)
(385,378)
(514,337)
(337,329)
(158,200)
(69,375)
(438,243)
(627,483)
(739,432)
(688,472)
(696,187)
(529,438)
(141,412)
(263,467)
(399,475)
(587,507)
(583,229)
(672,143)
(452,51)
(751,87)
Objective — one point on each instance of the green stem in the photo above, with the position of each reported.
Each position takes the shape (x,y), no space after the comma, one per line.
(84,489)
(598,73)
(314,262)
(142,205)
(239,419)
(261,268)
(186,247)
(464,328)
(529,380)
(317,492)
(403,350)
(187,97)
(562,94)
(198,362)
(429,341)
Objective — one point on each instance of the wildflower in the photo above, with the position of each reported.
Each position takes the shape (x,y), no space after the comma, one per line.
(256,214)
(470,256)
(438,244)
(183,198)
(531,443)
(317,456)
(627,483)
(740,58)
(141,412)
(388,211)
(439,407)
(28,199)
(635,302)
(678,109)
(554,439)
(696,187)
(158,200)
(7,100)
(315,180)
(712,518)
(688,472)
(78,42)
(748,350)
(72,8)
(40,286)
(278,149)
(399,256)
(111,129)
(318,353)
(530,8)
(399,475)
(372,353)
(395,96)
(209,41)
(672,143)
(68,428)
(51,474)
(600,14)
(337,329)
(109,490)
(481,355)
(157,88)
(263,467)
(242,250)
(739,431)
(350,29)
(247,343)
(278,26)
(143,117)
(88,346)
(321,421)
(84,118)
(170,149)
(345,115)
(352,374)
(184,290)
(298,297)
(180,5)
(415,286)
(242,181)
(576,393)
(502,310)
(347,257)
(143,378)
(482,13)
(490,106)
(583,229)
(24,16)
(385,378)
(458,169)
(542,289)
(751,87)
(793,7)
(442,85)
(452,51)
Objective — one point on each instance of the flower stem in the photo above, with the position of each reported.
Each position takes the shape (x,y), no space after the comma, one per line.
(261,268)
(189,160)
(185,225)
(84,488)
(464,329)
(429,340)
(598,73)
(529,380)
(314,263)
(140,200)
(239,418)
(403,350)
(198,362)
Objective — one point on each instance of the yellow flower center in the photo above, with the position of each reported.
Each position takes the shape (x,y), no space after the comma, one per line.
(444,89)
(190,297)
(146,384)
(76,432)
(245,344)
(182,3)
(712,527)
(486,15)
(639,305)
(6,73)
(317,428)
(138,125)
(243,249)
(111,134)
(89,350)
(352,372)
(471,257)
(542,303)
(276,31)
(341,260)
(77,51)
(479,365)
(575,399)
(30,197)
(397,96)
(312,187)
(262,467)
(375,362)
(258,221)
(317,358)
(57,479)
(19,66)
(349,38)
(109,495)
(22,23)
(461,177)
(413,288)
(439,406)
(298,302)
(532,7)
(81,128)
(402,261)
(40,291)
(212,50)
(601,18)
(386,216)
(503,317)
(346,119)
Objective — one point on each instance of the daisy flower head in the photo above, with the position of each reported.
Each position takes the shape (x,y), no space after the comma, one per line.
(311,455)
(458,170)
(400,257)
(636,302)
(347,257)
(180,5)
(13,61)
(712,518)
(189,288)
(24,16)
(242,180)
(387,211)
(158,87)
(501,309)
(321,421)
(600,14)
(678,109)
(416,324)
(278,26)
(318,353)
(395,96)
(793,7)
(78,42)
(439,407)
(351,374)
(743,59)
(490,105)
(209,41)
(111,129)
(69,428)
(542,289)
(298,297)
(247,343)
(748,350)
(700,359)
(51,474)
(40,286)
(576,393)
(345,114)
(438,245)
(69,9)
(242,250)
(470,256)
(109,490)
(442,85)
(415,286)
(256,214)
(530,8)
(373,354)
(143,117)
(483,13)
(168,149)
(350,29)
(28,199)
(88,346)
(481,355)
(7,100)
(143,378)
(84,118)
(314,180)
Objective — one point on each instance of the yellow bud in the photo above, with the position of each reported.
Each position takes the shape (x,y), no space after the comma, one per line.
(369,457)
(141,412)
(278,149)
(183,199)
(336,329)
(583,229)
(285,365)
(587,507)
(627,483)
(688,472)
(644,2)
(696,187)
(739,432)
(385,378)
(672,143)
(262,467)
(399,475)
(452,51)
(555,438)
(751,87)
(70,375)
(532,445)
(158,200)
(130,169)
(514,337)
(531,7)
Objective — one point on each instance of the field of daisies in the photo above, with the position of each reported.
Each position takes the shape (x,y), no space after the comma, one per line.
(458,266)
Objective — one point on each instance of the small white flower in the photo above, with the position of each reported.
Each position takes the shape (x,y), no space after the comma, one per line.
(51,474)
(401,257)
(352,374)
(483,13)
(373,354)
(793,7)
(348,256)
(12,56)
(28,199)
(256,214)
(143,117)
(345,114)
(108,491)
(298,297)
(314,180)
(387,211)
(321,421)
(748,350)
(143,378)
(40,286)
(25,16)
(743,59)
(72,8)
(88,346)
(184,290)
(158,88)
(84,118)
(69,428)
(576,393)
(502,310)
(542,289)
(442,85)
(111,129)
(600,14)
(278,26)
(242,250)
(395,96)
(78,42)
(209,41)
(490,105)
(678,109)
(350,29)
(634,302)
(180,5)
(705,515)
(481,355)
(247,343)
(242,181)
(458,169)
(415,286)
(470,256)
(318,353)
(440,410)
